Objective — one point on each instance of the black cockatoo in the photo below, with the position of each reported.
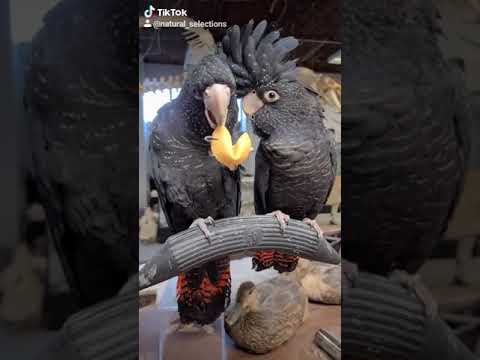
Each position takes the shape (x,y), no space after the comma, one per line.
(404,135)
(192,184)
(295,162)
(83,110)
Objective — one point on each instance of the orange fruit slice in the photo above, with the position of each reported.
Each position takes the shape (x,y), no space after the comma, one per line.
(225,152)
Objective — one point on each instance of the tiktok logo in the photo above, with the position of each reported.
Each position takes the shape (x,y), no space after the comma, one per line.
(149,12)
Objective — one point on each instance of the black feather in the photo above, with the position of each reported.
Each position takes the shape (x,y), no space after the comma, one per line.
(235,45)
(270,38)
(286,69)
(226,44)
(250,60)
(264,56)
(246,33)
(259,30)
(243,83)
(240,72)
(283,47)
(261,56)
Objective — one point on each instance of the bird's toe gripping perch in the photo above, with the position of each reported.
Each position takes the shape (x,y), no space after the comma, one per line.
(190,249)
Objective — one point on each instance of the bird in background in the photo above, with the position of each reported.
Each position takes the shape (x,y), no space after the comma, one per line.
(83,161)
(405,139)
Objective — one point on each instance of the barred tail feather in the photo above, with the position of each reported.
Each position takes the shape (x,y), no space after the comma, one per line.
(263,260)
(204,293)
(284,263)
(279,261)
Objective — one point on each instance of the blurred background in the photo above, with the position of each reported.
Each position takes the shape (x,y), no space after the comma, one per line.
(452,273)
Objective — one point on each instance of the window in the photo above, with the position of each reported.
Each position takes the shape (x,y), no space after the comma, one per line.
(154,100)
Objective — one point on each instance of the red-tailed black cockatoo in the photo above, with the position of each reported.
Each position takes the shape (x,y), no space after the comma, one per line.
(404,135)
(295,162)
(81,93)
(193,185)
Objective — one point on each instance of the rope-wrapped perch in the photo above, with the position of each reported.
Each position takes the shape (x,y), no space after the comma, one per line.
(381,319)
(238,235)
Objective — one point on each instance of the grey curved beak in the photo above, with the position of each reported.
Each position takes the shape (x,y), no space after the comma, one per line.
(216,99)
(252,103)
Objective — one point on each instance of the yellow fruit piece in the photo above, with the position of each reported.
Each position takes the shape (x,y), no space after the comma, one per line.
(227,154)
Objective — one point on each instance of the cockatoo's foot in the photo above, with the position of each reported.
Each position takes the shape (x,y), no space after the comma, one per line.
(414,283)
(282,219)
(314,225)
(203,225)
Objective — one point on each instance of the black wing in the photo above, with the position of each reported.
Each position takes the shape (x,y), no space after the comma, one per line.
(262,182)
(334,160)
(82,149)
(173,197)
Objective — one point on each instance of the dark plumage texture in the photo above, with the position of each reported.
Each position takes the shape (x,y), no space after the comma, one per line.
(192,184)
(404,143)
(255,59)
(295,162)
(83,110)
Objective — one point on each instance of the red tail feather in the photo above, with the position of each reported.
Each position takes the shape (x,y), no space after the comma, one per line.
(203,294)
(280,262)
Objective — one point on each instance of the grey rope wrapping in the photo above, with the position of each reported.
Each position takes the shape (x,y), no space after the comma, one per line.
(105,331)
(383,320)
(238,235)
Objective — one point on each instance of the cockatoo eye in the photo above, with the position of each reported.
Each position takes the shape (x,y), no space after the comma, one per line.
(271,96)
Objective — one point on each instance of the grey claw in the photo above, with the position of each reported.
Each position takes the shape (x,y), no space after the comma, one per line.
(202,225)
(314,225)
(210,221)
(282,220)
